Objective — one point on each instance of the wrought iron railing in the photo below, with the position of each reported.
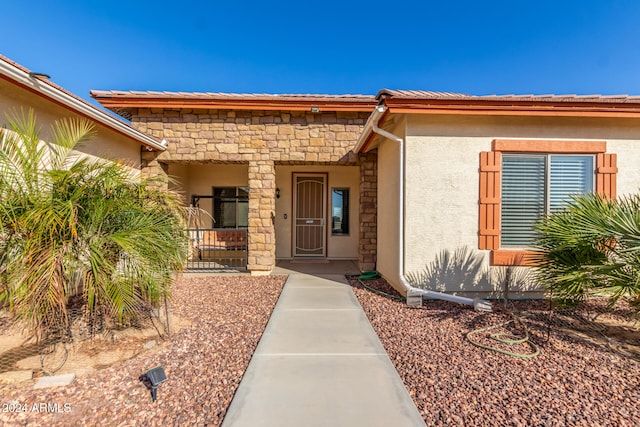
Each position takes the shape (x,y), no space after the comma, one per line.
(217,249)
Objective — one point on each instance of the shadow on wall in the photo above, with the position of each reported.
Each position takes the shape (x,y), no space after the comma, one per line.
(463,270)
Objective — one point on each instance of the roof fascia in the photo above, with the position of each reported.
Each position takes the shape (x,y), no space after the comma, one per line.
(39,87)
(235,104)
(492,108)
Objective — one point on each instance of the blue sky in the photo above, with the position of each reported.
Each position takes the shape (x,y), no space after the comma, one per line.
(330,46)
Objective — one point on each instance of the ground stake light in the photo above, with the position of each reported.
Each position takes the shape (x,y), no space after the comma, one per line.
(152,379)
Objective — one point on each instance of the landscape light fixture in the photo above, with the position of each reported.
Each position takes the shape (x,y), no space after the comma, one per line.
(277,193)
(152,379)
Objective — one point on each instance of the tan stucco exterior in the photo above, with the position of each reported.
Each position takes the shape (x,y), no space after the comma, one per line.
(442,179)
(388,209)
(106,144)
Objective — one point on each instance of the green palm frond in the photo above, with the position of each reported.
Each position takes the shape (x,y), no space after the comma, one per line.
(76,227)
(591,247)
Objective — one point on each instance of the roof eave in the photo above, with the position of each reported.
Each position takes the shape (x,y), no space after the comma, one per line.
(311,105)
(365,142)
(522,108)
(34,84)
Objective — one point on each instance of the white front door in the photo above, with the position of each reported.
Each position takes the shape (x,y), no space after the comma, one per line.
(309,206)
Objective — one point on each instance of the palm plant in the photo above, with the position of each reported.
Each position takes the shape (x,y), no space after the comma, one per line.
(76,231)
(591,246)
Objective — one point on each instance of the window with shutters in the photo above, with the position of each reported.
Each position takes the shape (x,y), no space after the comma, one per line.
(521,180)
(536,184)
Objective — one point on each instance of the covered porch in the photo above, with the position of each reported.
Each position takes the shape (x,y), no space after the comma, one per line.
(244,218)
(217,196)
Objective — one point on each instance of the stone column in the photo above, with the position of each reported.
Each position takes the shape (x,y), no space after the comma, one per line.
(262,205)
(367,251)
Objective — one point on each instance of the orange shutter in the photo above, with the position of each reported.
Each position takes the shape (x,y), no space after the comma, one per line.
(606,170)
(489,218)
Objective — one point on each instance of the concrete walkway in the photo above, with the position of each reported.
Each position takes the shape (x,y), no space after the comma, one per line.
(320,363)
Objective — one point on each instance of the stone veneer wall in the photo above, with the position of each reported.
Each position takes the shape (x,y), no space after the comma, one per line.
(367,253)
(263,139)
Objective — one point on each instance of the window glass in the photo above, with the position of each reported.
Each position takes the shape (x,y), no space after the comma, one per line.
(230,207)
(570,175)
(523,198)
(243,192)
(243,213)
(339,211)
(533,185)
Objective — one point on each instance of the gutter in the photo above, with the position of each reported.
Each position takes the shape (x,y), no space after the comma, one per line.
(414,295)
(372,121)
(35,84)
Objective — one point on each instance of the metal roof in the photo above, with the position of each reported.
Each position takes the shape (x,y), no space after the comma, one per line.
(230,96)
(429,95)
(123,101)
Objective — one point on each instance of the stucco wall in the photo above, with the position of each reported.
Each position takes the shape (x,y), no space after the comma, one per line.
(106,144)
(628,178)
(442,180)
(338,247)
(199,179)
(388,207)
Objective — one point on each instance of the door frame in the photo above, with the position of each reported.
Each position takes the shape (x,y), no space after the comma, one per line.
(294,199)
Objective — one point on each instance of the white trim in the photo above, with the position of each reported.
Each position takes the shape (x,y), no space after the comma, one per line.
(47,90)
(372,122)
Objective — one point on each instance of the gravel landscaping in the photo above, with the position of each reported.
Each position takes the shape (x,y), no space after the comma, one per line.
(585,375)
(587,372)
(204,363)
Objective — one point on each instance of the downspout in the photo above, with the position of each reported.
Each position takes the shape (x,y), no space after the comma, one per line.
(415,295)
